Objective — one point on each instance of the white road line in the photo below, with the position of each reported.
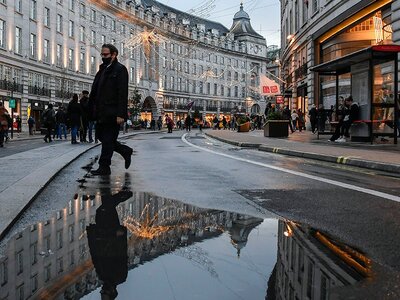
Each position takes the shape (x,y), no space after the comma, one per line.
(312,177)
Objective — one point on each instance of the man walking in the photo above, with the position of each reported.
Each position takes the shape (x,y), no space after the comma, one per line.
(109,103)
(84,102)
(49,122)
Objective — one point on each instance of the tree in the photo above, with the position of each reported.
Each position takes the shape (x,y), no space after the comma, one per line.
(136,105)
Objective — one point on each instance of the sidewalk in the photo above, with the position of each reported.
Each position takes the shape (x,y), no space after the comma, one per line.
(304,144)
(24,175)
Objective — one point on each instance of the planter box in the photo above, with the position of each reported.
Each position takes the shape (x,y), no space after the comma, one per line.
(276,128)
(137,127)
(244,127)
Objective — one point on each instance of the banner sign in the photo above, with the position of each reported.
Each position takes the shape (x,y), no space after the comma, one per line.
(268,86)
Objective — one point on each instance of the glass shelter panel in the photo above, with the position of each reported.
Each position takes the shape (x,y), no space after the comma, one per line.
(383,102)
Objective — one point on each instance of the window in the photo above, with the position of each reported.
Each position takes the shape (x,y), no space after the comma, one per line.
(47,273)
(229,92)
(71,28)
(82,34)
(82,62)
(132,75)
(82,10)
(103,39)
(201,87)
(32,45)
(132,55)
(20,292)
(18,40)
(46,50)
(19,262)
(236,91)
(33,10)
(315,5)
(93,37)
(60,265)
(59,55)
(2,33)
(34,252)
(179,84)
(113,25)
(208,88)
(296,15)
(70,61)
(122,49)
(222,90)
(215,89)
(46,16)
(59,21)
(103,21)
(92,65)
(172,83)
(71,5)
(92,15)
(71,233)
(34,283)
(123,29)
(18,6)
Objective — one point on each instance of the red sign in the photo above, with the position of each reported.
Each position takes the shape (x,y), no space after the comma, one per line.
(279,99)
(266,90)
(270,89)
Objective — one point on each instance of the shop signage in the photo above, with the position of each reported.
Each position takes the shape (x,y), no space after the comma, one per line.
(268,86)
(279,100)
(11,103)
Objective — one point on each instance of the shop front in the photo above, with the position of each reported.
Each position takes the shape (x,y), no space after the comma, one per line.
(13,106)
(355,56)
(36,109)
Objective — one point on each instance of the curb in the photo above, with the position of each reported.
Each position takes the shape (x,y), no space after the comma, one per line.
(349,161)
(52,169)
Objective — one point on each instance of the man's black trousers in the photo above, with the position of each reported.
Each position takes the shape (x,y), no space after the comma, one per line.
(108,134)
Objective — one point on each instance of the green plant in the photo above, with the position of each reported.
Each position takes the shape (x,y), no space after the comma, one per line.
(275,115)
(242,119)
(136,123)
(135,106)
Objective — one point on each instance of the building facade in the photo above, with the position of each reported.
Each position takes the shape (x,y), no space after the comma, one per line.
(318,31)
(50,50)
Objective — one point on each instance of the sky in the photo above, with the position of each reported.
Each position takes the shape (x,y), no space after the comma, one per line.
(264,14)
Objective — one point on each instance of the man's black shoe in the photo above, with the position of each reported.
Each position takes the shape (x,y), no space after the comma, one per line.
(101,171)
(128,159)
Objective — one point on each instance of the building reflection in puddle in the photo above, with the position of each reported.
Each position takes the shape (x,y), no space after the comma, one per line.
(53,259)
(311,264)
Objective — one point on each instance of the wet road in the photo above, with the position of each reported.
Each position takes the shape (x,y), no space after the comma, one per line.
(205,224)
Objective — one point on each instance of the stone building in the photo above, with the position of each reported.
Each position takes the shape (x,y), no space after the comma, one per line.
(50,50)
(315,32)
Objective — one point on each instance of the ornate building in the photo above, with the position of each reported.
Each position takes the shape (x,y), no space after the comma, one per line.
(50,50)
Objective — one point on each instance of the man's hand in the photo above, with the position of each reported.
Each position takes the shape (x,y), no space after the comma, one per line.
(120,120)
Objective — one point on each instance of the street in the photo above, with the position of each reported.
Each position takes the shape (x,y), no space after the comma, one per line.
(205,219)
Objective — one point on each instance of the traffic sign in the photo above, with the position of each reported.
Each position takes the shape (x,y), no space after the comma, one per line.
(11,103)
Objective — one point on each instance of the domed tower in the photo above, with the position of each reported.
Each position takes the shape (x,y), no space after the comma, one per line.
(244,32)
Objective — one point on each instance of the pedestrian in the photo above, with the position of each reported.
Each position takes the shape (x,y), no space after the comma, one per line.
(215,122)
(339,114)
(19,123)
(224,122)
(268,109)
(159,123)
(287,116)
(49,122)
(188,123)
(322,116)
(31,124)
(4,117)
(301,119)
(169,122)
(313,117)
(351,115)
(153,124)
(201,123)
(84,103)
(61,120)
(74,116)
(295,119)
(110,101)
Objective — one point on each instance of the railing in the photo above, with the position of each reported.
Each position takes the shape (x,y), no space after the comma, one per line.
(35,90)
(10,86)
(211,108)
(197,107)
(63,94)
(226,109)
(168,106)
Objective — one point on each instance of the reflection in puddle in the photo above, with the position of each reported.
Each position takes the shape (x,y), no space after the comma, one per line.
(137,245)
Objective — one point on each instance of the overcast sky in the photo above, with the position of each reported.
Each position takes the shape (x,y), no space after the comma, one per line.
(264,14)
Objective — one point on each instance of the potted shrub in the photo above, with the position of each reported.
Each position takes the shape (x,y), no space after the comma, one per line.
(276,125)
(136,125)
(243,123)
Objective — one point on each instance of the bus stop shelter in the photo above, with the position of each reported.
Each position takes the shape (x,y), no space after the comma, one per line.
(373,76)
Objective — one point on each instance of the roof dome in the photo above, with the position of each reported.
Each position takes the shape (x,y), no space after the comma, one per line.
(241,25)
(241,14)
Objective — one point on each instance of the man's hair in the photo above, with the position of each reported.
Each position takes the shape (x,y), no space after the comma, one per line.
(349,98)
(85,92)
(50,106)
(111,47)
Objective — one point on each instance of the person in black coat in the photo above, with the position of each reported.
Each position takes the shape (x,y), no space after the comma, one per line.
(84,102)
(313,117)
(74,113)
(109,103)
(49,122)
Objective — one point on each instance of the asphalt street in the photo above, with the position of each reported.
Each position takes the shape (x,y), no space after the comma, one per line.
(359,208)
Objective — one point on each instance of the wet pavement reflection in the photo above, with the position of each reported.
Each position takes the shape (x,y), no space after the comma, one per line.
(111,242)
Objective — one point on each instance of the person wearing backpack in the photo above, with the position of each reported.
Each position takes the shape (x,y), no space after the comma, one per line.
(48,122)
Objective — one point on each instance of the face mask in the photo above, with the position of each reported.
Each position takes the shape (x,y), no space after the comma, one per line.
(106,60)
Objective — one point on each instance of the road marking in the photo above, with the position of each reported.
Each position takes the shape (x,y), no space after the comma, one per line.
(312,177)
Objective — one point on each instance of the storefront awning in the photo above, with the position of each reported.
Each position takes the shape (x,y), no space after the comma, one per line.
(343,64)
